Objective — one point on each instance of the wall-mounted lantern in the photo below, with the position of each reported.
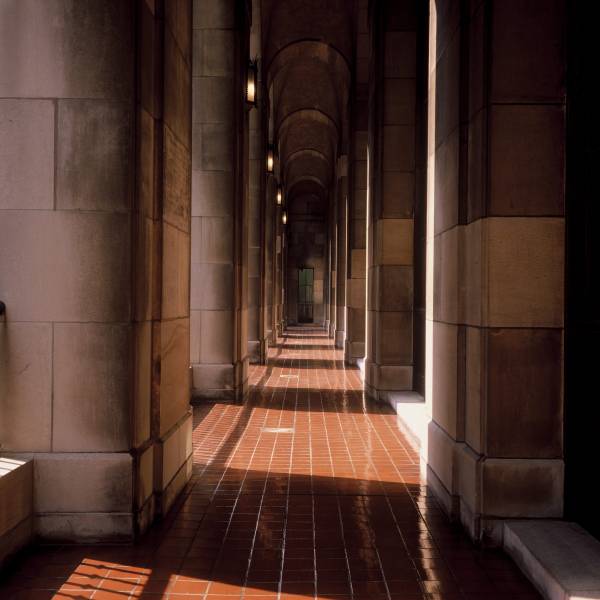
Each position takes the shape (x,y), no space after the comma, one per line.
(279,195)
(270,158)
(252,83)
(284,217)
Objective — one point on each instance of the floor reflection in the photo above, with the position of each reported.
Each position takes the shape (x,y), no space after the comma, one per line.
(332,507)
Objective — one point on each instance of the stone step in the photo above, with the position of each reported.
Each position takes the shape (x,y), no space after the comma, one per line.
(560,558)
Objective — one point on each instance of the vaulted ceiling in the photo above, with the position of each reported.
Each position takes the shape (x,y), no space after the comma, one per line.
(307,53)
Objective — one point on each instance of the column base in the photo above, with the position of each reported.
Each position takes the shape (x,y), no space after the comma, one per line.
(381,381)
(97,509)
(354,352)
(226,382)
(264,349)
(254,352)
(483,492)
(118,494)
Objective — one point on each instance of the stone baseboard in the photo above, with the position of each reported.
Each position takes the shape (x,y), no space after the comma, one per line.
(87,527)
(116,494)
(381,381)
(98,509)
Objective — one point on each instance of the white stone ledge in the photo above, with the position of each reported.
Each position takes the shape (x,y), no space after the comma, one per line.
(560,558)
(413,418)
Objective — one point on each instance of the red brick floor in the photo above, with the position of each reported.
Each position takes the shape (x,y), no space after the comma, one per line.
(330,506)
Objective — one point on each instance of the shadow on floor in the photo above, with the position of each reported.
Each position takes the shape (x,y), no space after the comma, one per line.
(332,401)
(260,534)
(370,530)
(299,362)
(292,346)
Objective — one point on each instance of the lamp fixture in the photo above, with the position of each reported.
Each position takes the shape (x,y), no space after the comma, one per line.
(279,195)
(270,158)
(284,217)
(252,83)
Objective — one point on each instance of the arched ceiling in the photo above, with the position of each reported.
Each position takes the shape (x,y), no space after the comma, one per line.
(307,50)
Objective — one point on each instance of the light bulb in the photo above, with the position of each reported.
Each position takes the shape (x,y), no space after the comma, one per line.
(251,91)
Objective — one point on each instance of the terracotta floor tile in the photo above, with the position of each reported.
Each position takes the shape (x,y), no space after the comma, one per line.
(307,490)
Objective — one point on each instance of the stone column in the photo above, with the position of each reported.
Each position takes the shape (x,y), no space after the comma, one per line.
(327,276)
(445,389)
(283,278)
(267,280)
(357,272)
(278,287)
(256,335)
(391,168)
(357,218)
(333,265)
(496,242)
(219,333)
(93,259)
(171,418)
(281,296)
(342,249)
